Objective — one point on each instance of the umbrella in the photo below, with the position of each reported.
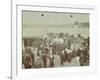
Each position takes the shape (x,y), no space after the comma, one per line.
(58,40)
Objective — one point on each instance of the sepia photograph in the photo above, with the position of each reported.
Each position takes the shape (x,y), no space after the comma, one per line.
(55,39)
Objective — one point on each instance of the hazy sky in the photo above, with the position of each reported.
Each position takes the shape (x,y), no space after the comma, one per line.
(31,18)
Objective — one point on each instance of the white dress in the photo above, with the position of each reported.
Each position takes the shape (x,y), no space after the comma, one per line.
(57,61)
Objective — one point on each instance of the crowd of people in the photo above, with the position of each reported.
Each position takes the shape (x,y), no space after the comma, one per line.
(54,50)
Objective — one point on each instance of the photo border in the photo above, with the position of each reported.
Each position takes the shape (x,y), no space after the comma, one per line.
(15,75)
